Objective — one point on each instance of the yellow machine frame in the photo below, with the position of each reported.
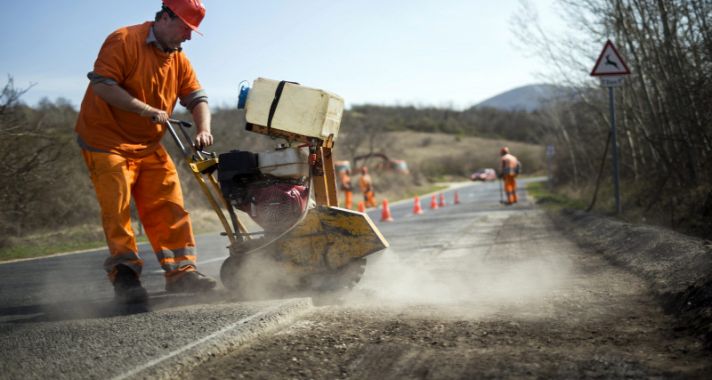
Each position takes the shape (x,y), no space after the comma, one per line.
(327,238)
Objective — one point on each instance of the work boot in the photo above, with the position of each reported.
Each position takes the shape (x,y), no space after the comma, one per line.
(127,286)
(190,282)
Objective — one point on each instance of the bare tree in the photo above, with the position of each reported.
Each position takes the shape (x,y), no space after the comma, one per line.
(665,123)
(38,164)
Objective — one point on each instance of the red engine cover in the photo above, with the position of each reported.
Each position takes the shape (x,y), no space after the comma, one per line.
(277,207)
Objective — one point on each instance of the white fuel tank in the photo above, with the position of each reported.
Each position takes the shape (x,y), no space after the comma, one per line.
(284,163)
(301,110)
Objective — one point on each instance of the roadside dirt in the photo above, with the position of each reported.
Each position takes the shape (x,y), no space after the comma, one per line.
(537,306)
(677,267)
(379,344)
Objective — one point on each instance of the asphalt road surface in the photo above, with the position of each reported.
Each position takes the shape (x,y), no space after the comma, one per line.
(475,290)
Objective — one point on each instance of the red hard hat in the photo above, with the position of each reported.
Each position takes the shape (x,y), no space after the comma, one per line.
(191,12)
(504,150)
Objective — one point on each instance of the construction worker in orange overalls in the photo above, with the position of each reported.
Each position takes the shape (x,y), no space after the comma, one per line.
(366,185)
(345,186)
(509,169)
(138,76)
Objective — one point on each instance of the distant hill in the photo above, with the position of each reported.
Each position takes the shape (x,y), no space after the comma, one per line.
(525,98)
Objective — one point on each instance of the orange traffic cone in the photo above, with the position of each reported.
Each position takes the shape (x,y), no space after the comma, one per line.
(361,207)
(442,200)
(386,212)
(457,199)
(416,206)
(433,202)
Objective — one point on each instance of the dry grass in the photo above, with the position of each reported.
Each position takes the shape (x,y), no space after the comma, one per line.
(49,242)
(442,155)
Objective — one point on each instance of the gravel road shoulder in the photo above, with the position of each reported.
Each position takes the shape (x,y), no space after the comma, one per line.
(677,267)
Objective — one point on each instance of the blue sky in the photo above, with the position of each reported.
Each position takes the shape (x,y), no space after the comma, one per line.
(445,53)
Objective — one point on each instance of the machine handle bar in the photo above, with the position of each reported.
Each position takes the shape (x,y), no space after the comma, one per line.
(182,123)
(186,152)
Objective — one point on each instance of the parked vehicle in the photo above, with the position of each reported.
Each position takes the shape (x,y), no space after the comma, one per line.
(486,174)
(399,166)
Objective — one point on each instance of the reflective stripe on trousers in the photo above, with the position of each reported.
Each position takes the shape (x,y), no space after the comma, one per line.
(130,259)
(153,183)
(172,260)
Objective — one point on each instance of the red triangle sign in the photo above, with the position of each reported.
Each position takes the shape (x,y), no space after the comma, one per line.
(610,62)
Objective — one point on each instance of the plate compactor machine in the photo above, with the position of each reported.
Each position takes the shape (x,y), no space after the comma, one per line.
(301,243)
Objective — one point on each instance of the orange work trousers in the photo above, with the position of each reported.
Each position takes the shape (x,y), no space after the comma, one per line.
(510,188)
(369,198)
(348,199)
(153,183)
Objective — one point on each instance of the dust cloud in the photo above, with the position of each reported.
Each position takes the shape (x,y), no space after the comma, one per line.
(72,289)
(261,277)
(490,285)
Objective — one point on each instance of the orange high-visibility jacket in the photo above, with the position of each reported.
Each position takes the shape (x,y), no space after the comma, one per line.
(346,182)
(147,73)
(365,183)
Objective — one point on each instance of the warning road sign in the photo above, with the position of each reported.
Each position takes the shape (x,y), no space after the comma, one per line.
(609,62)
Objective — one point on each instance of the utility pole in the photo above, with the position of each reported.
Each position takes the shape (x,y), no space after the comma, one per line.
(549,156)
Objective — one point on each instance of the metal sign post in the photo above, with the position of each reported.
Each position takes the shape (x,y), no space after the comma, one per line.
(549,156)
(611,68)
(616,174)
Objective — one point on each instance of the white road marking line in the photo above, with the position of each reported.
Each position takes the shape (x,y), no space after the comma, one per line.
(187,347)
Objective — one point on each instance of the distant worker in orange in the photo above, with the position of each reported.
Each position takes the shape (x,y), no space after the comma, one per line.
(138,76)
(509,169)
(366,185)
(347,188)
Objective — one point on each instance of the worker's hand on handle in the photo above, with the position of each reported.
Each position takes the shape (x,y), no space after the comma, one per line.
(158,116)
(203,139)
(201,119)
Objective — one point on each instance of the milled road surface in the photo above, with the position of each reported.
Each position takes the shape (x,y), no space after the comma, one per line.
(477,291)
